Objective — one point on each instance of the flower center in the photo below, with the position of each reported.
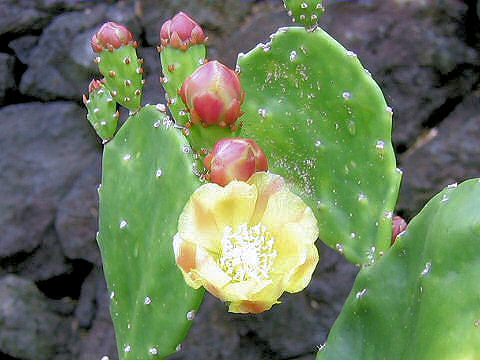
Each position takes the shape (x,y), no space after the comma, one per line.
(248,253)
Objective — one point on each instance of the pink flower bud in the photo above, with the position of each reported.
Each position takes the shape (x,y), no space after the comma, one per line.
(399,226)
(213,95)
(235,159)
(181,32)
(111,36)
(95,85)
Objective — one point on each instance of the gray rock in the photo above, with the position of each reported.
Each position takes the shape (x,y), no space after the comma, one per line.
(23,47)
(61,65)
(21,16)
(44,148)
(265,21)
(7,79)
(76,220)
(413,50)
(30,330)
(46,262)
(99,340)
(450,156)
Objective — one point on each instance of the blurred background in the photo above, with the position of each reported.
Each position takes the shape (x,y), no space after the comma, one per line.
(53,299)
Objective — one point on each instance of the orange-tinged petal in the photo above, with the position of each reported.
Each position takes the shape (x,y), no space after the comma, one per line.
(185,256)
(197,221)
(249,307)
(207,269)
(302,276)
(243,290)
(236,206)
(267,184)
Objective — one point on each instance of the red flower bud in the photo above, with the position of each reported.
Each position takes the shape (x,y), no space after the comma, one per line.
(213,95)
(235,159)
(181,31)
(111,36)
(95,85)
(399,226)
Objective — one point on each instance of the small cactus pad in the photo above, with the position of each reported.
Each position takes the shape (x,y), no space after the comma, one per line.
(147,180)
(324,125)
(305,12)
(123,74)
(102,112)
(421,301)
(177,65)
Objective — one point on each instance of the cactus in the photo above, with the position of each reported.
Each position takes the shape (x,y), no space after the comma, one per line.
(118,62)
(102,110)
(324,124)
(305,12)
(320,119)
(421,300)
(147,180)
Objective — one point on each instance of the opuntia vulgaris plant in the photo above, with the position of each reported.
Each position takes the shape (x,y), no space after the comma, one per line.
(227,188)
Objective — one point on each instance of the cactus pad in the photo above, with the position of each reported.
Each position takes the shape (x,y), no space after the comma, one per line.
(123,73)
(305,12)
(147,179)
(324,125)
(102,113)
(421,301)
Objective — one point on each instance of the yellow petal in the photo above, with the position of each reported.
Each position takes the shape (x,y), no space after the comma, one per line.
(291,252)
(301,278)
(213,278)
(236,206)
(243,290)
(267,184)
(197,222)
(249,307)
(283,207)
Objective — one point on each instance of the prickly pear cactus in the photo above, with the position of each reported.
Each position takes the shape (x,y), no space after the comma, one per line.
(422,299)
(147,179)
(177,65)
(102,111)
(305,12)
(123,71)
(325,126)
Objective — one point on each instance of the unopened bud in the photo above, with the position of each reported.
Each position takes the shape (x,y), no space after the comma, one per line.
(181,32)
(111,36)
(213,94)
(235,159)
(399,226)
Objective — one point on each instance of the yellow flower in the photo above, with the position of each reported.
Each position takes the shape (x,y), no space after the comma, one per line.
(247,242)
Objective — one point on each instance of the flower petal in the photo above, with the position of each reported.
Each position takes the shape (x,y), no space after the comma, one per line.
(267,184)
(212,277)
(283,207)
(302,276)
(249,307)
(236,206)
(197,222)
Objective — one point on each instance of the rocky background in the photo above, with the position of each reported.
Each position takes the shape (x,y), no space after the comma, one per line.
(53,299)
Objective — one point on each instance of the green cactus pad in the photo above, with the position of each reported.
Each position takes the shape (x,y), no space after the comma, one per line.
(123,73)
(421,301)
(305,12)
(147,180)
(102,113)
(324,125)
(177,65)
